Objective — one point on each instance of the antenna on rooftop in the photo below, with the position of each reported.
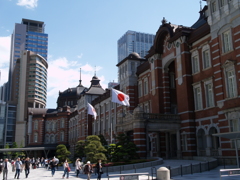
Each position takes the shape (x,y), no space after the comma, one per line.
(95,71)
(80,75)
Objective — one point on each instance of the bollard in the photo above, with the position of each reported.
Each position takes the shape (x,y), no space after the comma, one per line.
(170,171)
(191,168)
(208,166)
(107,170)
(224,163)
(181,169)
(163,173)
(134,168)
(200,166)
(120,169)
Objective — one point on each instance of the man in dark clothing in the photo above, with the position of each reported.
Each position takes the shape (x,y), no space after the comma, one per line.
(27,167)
(53,165)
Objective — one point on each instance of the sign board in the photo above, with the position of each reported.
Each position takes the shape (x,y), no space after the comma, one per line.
(129,177)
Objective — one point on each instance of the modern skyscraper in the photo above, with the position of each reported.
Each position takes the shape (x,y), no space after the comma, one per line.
(133,41)
(29,88)
(28,35)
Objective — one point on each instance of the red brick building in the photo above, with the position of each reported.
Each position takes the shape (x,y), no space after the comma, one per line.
(184,91)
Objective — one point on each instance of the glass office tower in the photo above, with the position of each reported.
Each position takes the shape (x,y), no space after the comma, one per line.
(133,41)
(27,35)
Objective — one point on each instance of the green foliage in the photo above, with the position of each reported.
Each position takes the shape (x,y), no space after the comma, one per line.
(8,154)
(62,153)
(14,153)
(80,149)
(124,150)
(103,140)
(94,149)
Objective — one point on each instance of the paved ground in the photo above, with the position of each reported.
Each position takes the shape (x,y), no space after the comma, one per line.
(43,174)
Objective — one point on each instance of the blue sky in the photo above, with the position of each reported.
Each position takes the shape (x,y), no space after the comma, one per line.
(84,33)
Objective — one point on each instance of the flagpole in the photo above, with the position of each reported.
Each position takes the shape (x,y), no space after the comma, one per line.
(87,122)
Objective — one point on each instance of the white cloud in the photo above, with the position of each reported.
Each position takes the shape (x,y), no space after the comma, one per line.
(63,74)
(80,56)
(30,4)
(5,43)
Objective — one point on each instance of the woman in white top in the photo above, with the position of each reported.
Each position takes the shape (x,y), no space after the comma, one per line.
(78,166)
(66,169)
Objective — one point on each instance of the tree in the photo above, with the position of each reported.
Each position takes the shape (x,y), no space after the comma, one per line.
(14,153)
(124,150)
(94,149)
(80,149)
(62,152)
(103,140)
(8,153)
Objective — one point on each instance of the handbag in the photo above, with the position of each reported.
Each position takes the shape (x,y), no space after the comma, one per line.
(69,169)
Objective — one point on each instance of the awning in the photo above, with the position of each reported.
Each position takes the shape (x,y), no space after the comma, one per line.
(229,135)
(232,136)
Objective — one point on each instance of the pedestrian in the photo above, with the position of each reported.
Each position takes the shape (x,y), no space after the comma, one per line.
(53,165)
(66,169)
(1,165)
(18,166)
(6,168)
(46,163)
(27,167)
(78,166)
(99,169)
(88,169)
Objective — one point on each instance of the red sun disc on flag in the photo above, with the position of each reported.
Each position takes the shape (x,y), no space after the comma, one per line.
(121,97)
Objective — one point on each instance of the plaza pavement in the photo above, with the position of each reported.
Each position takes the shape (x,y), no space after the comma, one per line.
(43,174)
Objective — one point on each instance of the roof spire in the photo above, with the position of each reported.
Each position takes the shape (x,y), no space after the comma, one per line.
(200,5)
(80,80)
(95,71)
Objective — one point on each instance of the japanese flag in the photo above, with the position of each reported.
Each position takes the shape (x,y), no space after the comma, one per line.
(92,111)
(120,98)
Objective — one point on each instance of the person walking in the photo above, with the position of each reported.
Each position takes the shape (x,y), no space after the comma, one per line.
(88,169)
(27,167)
(6,168)
(78,166)
(53,165)
(18,166)
(99,169)
(66,169)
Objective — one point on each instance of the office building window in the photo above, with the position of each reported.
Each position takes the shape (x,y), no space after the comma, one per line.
(222,3)
(234,125)
(214,6)
(140,89)
(197,96)
(206,57)
(195,62)
(145,86)
(227,42)
(35,137)
(35,125)
(209,95)
(62,136)
(62,123)
(231,83)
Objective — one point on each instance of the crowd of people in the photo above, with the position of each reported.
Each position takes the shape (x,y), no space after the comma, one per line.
(19,164)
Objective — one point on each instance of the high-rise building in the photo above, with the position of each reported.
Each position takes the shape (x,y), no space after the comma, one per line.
(27,35)
(29,88)
(133,41)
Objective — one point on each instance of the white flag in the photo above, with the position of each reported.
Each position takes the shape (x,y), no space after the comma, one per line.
(120,98)
(92,111)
